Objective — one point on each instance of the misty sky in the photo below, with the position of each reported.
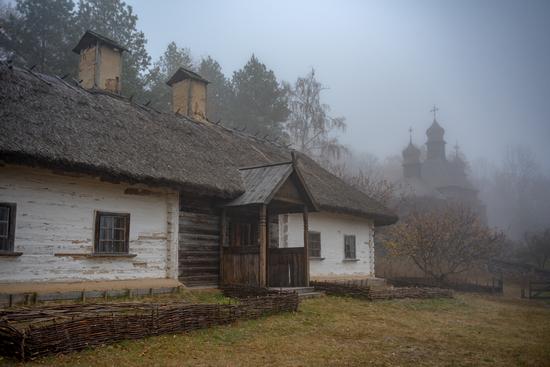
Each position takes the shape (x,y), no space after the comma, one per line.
(485,64)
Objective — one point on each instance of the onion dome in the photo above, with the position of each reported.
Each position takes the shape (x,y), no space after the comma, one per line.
(435,132)
(411,154)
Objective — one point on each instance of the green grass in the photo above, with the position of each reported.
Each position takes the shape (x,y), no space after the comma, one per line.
(466,331)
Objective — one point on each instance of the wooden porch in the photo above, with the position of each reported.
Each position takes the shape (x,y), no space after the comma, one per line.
(249,251)
(237,242)
(256,263)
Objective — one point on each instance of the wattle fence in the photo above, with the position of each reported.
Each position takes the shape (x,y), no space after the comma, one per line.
(27,333)
(372,293)
(496,285)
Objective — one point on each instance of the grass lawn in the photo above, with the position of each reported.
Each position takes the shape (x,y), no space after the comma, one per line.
(469,330)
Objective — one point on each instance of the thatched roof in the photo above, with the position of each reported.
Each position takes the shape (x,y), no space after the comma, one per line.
(49,122)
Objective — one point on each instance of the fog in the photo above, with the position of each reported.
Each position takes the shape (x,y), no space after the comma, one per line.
(485,64)
(375,70)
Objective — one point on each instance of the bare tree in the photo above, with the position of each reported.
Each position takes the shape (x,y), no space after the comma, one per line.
(517,192)
(309,125)
(537,248)
(364,172)
(444,241)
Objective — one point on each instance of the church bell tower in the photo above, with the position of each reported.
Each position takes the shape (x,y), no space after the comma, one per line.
(435,143)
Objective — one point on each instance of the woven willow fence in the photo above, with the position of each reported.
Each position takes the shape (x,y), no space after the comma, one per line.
(495,286)
(27,333)
(369,293)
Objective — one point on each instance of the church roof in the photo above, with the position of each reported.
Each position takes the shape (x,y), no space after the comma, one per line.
(416,186)
(435,132)
(440,174)
(411,154)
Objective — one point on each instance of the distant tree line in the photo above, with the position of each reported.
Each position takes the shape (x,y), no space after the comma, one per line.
(42,33)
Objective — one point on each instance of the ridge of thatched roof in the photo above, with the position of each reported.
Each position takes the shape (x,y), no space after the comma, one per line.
(49,122)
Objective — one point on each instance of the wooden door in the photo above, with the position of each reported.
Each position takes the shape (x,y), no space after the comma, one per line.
(286,267)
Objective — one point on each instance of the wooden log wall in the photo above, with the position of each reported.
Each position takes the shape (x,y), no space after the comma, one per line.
(287,267)
(199,242)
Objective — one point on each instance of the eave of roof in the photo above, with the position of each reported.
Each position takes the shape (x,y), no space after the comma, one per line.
(90,37)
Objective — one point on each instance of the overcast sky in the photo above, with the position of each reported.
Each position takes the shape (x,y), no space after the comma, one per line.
(484,63)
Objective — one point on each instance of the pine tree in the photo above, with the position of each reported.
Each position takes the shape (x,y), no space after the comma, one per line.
(116,20)
(260,103)
(173,58)
(43,33)
(220,92)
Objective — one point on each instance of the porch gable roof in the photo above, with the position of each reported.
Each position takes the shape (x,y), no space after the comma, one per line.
(263,182)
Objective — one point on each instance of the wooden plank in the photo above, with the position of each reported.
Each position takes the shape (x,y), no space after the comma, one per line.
(199,242)
(263,245)
(240,268)
(306,246)
(222,239)
(286,267)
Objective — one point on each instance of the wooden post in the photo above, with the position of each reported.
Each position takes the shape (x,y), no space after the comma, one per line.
(267,241)
(223,234)
(263,245)
(306,244)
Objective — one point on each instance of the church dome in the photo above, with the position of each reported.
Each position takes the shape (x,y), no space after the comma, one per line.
(435,132)
(411,154)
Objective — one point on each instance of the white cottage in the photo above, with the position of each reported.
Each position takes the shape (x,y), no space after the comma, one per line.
(340,245)
(96,187)
(75,227)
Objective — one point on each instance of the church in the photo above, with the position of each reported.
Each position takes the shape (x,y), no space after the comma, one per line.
(435,175)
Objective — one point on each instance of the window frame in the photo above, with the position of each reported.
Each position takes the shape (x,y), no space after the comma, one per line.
(346,236)
(243,233)
(310,255)
(97,230)
(10,240)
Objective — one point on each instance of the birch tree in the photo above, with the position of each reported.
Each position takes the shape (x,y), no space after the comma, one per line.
(310,126)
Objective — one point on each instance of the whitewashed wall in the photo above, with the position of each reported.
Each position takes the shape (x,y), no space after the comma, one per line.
(56,212)
(333,227)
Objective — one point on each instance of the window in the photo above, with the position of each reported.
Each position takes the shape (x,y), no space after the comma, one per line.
(314,242)
(7,226)
(242,234)
(112,232)
(349,247)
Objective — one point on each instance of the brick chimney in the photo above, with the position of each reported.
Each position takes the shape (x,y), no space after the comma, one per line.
(100,62)
(188,94)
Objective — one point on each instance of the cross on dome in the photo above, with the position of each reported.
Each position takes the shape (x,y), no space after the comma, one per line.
(434,111)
